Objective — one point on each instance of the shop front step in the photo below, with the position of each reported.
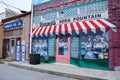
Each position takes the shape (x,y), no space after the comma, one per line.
(9,59)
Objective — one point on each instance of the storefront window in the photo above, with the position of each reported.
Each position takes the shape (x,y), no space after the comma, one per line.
(13,33)
(61,14)
(75,47)
(39,46)
(92,8)
(95,46)
(51,47)
(63,45)
(43,17)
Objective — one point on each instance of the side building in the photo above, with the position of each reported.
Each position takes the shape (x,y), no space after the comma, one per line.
(16,36)
(77,32)
(8,13)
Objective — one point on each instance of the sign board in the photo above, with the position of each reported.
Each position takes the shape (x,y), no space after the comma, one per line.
(13,25)
(79,18)
(23,52)
(18,53)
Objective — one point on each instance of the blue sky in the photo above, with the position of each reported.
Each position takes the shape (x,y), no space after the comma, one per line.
(35,2)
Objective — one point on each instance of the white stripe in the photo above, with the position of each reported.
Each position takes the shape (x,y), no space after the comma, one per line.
(34,31)
(108,23)
(63,29)
(52,28)
(42,31)
(69,28)
(112,26)
(83,27)
(46,32)
(37,32)
(57,29)
(76,28)
(93,29)
(102,28)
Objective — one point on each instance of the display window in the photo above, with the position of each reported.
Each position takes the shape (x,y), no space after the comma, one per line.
(63,45)
(39,46)
(52,46)
(95,46)
(75,47)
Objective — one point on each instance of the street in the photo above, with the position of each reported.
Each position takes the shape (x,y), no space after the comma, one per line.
(13,73)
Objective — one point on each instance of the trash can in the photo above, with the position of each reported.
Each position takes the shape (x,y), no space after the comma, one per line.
(34,59)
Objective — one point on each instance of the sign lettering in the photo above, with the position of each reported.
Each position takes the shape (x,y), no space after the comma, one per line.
(13,25)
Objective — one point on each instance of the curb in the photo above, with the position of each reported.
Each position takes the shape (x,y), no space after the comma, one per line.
(53,72)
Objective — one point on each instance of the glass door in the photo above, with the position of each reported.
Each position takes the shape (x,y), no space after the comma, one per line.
(12,48)
(63,49)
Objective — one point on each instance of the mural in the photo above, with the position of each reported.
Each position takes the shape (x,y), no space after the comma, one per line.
(63,46)
(39,46)
(95,46)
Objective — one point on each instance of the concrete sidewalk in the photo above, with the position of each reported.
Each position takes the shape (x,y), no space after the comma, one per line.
(68,70)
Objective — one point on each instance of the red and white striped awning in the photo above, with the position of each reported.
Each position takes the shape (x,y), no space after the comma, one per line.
(75,27)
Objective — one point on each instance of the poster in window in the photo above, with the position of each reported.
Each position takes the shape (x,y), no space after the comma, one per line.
(39,46)
(95,46)
(63,46)
(18,51)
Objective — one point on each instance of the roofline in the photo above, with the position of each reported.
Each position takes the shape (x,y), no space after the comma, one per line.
(15,17)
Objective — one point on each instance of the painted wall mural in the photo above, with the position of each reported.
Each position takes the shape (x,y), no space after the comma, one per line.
(95,46)
(39,46)
(63,46)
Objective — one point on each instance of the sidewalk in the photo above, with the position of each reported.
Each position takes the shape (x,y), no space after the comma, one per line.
(69,71)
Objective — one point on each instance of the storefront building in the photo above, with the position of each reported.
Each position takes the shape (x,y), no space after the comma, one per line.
(16,37)
(73,32)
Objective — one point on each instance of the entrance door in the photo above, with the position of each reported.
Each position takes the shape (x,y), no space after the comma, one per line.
(12,48)
(63,49)
(5,52)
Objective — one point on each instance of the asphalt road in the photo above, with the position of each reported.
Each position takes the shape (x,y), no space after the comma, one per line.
(13,73)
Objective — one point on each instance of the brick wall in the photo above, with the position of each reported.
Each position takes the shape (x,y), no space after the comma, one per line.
(114,17)
(10,13)
(26,30)
(25,36)
(58,4)
(1,39)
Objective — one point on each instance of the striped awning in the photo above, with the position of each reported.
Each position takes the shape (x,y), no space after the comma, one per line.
(75,27)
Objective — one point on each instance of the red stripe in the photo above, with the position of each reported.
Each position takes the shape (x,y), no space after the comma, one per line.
(72,27)
(79,26)
(87,26)
(60,29)
(40,31)
(66,28)
(54,29)
(105,25)
(44,31)
(49,30)
(33,30)
(96,26)
(36,31)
